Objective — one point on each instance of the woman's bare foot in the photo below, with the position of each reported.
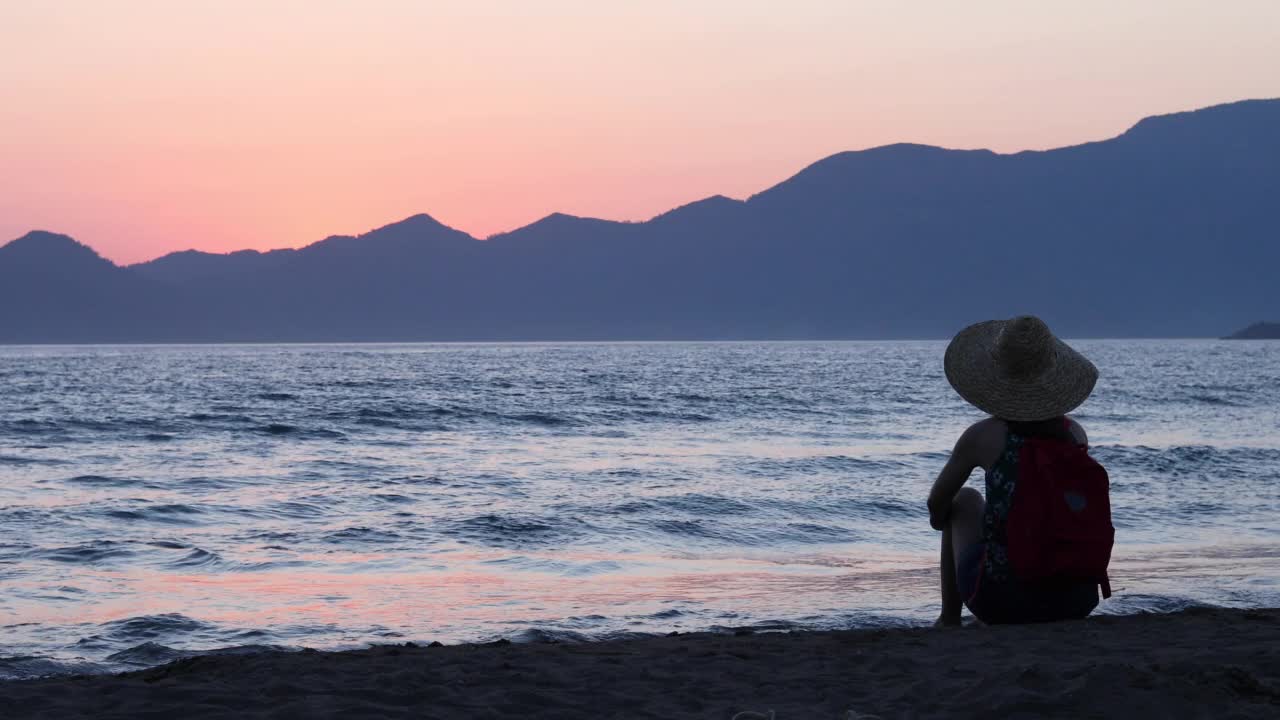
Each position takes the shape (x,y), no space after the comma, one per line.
(947,620)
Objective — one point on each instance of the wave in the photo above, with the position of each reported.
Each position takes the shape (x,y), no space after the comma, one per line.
(693,503)
(288,510)
(394,413)
(206,560)
(95,552)
(515,531)
(757,534)
(1190,460)
(30,667)
(845,464)
(172,513)
(147,654)
(31,427)
(220,417)
(150,627)
(198,558)
(285,429)
(646,416)
(354,535)
(104,481)
(21,460)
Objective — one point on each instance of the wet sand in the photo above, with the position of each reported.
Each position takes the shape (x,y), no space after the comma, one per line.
(1197,663)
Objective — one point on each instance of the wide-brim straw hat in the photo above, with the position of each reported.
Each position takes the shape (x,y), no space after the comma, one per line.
(1017,370)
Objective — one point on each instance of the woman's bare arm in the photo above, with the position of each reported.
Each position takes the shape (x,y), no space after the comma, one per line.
(978,446)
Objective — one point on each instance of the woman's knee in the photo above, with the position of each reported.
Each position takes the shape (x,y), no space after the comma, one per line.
(967,509)
(968,499)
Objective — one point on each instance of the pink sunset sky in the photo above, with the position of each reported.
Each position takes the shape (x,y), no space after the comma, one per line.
(145,127)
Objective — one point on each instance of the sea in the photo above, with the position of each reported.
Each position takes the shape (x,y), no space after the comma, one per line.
(160,501)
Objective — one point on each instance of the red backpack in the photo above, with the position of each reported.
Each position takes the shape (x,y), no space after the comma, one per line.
(1059,525)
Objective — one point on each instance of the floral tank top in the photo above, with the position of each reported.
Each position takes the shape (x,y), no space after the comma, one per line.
(1002,479)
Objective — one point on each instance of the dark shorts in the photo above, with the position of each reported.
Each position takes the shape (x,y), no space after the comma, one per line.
(1011,602)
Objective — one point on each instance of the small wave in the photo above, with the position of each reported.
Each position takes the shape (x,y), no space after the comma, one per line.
(270,536)
(814,533)
(417,480)
(156,425)
(544,419)
(401,417)
(361,535)
(761,626)
(873,508)
(516,531)
(693,503)
(20,460)
(147,654)
(1214,400)
(1189,460)
(535,636)
(175,513)
(30,667)
(90,553)
(292,509)
(665,416)
(758,534)
(531,564)
(600,567)
(157,437)
(32,427)
(284,429)
(394,498)
(689,529)
(824,465)
(1127,603)
(150,627)
(101,426)
(394,412)
(104,481)
(361,383)
(220,417)
(206,560)
(198,558)
(280,396)
(558,567)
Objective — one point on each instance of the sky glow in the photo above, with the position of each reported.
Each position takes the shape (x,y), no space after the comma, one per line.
(146,127)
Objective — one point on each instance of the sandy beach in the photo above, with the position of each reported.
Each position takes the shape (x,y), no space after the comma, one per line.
(1197,663)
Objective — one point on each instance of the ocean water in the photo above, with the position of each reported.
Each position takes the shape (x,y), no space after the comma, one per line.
(159,501)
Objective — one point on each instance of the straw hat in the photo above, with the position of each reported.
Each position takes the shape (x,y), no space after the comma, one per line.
(1017,370)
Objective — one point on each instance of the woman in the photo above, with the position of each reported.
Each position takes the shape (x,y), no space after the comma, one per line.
(1027,380)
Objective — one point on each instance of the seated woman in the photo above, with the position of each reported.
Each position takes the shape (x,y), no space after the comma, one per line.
(1047,561)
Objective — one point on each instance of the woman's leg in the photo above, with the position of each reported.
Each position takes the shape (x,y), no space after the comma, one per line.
(964,528)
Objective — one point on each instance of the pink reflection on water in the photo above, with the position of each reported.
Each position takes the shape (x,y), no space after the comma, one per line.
(468,594)
(472,592)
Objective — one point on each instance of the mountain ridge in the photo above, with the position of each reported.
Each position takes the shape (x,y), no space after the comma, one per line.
(1158,231)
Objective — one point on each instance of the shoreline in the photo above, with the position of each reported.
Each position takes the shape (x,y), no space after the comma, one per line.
(1194,663)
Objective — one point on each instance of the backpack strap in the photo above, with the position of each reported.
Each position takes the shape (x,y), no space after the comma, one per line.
(1049,429)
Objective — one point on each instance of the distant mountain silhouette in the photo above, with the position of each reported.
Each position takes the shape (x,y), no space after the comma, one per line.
(1167,230)
(1258,331)
(53,289)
